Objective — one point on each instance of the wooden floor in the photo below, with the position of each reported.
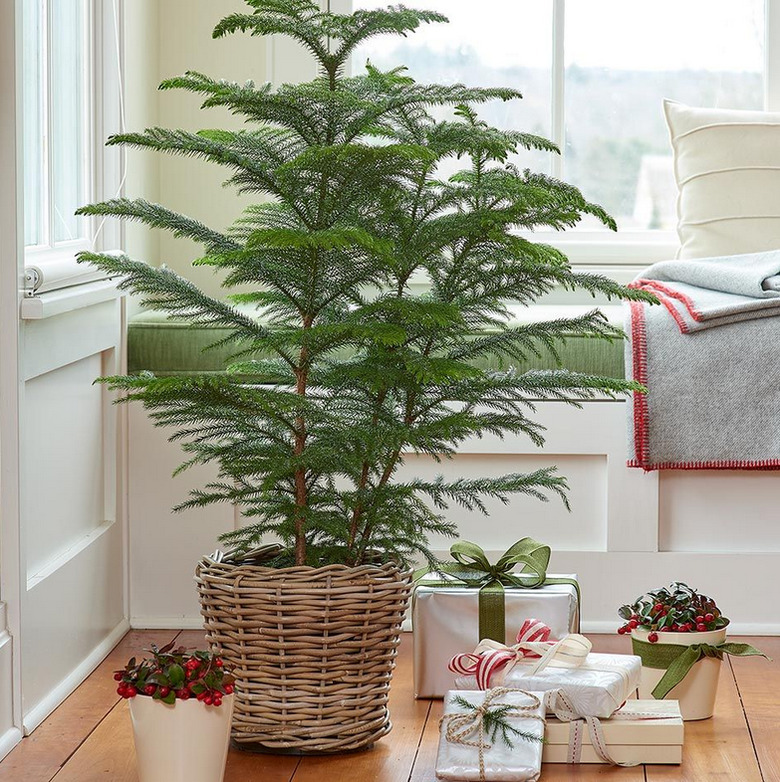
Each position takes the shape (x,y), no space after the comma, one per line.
(89,737)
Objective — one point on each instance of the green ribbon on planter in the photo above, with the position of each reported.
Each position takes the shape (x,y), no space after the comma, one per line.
(678,660)
(472,569)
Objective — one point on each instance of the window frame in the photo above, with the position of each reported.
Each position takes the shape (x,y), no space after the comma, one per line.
(104,167)
(619,255)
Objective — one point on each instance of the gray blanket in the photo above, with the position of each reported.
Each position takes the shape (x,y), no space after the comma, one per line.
(708,357)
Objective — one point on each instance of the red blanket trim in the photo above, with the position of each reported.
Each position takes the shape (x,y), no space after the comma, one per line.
(639,359)
(672,293)
(722,464)
(664,294)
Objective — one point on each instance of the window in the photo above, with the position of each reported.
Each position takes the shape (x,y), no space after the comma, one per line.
(70,82)
(593,75)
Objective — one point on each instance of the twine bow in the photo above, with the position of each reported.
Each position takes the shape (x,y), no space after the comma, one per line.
(678,660)
(473,569)
(491,658)
(462,726)
(557,703)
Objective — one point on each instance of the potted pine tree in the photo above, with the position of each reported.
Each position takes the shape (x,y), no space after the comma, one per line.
(341,367)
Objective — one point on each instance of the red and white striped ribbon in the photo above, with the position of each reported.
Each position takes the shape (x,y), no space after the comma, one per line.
(492,659)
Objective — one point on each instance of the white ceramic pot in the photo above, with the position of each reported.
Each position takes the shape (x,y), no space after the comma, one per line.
(697,691)
(183,742)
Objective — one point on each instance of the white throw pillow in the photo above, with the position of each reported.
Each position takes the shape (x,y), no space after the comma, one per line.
(727,166)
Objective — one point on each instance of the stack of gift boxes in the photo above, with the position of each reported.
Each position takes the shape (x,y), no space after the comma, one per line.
(501,644)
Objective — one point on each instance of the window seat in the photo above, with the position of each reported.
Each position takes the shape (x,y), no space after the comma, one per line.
(170,346)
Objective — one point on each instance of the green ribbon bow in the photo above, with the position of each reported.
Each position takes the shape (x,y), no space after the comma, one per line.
(472,569)
(677,660)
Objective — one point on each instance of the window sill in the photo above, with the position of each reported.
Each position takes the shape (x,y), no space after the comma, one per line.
(47,305)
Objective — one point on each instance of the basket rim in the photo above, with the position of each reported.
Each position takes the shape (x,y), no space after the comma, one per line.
(367,569)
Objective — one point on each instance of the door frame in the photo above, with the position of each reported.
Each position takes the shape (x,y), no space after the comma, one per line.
(11,277)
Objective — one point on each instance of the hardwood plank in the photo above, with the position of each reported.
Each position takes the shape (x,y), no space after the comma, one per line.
(758,682)
(109,754)
(425,763)
(392,758)
(716,749)
(40,756)
(593,772)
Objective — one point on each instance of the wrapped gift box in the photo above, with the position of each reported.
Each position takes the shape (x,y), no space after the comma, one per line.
(597,688)
(445,621)
(522,762)
(631,736)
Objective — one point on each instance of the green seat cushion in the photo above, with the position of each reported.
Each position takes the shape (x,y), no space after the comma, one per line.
(170,346)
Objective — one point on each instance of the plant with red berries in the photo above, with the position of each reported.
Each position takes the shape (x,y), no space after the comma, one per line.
(676,609)
(172,674)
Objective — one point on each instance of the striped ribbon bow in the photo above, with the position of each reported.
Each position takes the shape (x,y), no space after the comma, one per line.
(492,659)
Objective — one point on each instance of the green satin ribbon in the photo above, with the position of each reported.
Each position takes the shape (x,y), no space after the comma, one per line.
(473,570)
(678,660)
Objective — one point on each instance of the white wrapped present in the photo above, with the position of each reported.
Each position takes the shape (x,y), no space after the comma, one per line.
(597,685)
(642,731)
(491,736)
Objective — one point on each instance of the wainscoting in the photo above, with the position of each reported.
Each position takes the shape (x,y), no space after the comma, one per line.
(627,531)
(73,608)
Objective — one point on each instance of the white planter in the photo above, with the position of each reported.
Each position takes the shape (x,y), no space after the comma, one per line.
(697,691)
(183,742)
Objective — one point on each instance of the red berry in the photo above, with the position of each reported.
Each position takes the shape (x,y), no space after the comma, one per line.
(621,630)
(150,689)
(653,637)
(699,619)
(131,691)
(709,617)
(183,694)
(201,696)
(118,677)
(228,689)
(632,623)
(208,700)
(218,662)
(164,691)
(217,701)
(701,627)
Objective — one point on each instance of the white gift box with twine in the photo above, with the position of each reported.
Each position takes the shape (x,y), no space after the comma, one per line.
(493,736)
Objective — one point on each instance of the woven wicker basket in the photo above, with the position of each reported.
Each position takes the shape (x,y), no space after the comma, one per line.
(313,650)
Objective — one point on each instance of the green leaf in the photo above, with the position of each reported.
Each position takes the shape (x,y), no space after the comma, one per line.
(176,675)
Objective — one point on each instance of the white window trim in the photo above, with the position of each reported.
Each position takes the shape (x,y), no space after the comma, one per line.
(106,164)
(620,254)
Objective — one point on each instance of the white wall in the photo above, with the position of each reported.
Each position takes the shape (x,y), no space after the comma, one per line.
(166,39)
(141,77)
